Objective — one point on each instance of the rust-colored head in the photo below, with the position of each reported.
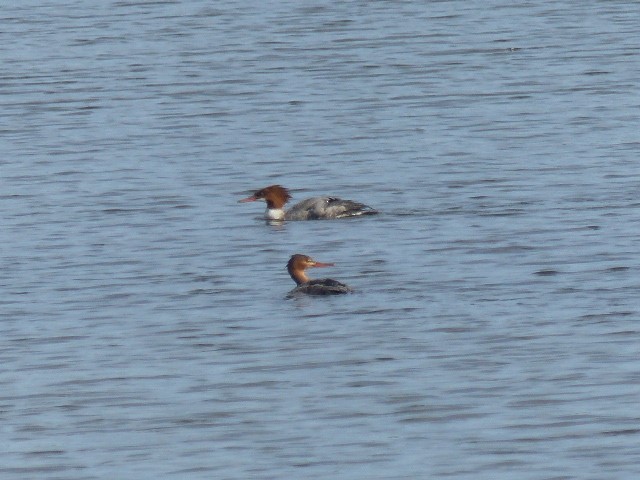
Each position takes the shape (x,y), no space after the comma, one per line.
(299,263)
(275,196)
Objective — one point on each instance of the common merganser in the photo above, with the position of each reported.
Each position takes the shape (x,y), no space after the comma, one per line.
(296,267)
(310,209)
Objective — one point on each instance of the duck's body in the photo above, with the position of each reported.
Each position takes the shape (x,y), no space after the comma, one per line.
(315,208)
(326,286)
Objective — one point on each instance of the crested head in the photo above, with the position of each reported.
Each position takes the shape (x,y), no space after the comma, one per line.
(275,196)
(298,263)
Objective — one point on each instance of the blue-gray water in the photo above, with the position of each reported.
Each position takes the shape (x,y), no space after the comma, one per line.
(494,333)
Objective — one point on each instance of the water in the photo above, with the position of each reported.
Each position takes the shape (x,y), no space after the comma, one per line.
(494,332)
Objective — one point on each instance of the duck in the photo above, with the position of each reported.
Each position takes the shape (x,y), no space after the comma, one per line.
(296,267)
(315,208)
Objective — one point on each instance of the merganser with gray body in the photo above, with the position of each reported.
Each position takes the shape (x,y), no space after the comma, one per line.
(315,208)
(296,267)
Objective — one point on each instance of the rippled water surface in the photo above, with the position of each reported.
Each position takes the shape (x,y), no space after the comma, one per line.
(494,330)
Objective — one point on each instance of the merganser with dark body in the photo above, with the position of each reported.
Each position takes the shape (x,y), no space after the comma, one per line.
(326,286)
(315,208)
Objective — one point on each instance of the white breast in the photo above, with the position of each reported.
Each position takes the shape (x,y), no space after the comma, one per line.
(275,214)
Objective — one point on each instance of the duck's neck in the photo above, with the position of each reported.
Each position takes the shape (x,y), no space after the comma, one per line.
(298,276)
(275,213)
